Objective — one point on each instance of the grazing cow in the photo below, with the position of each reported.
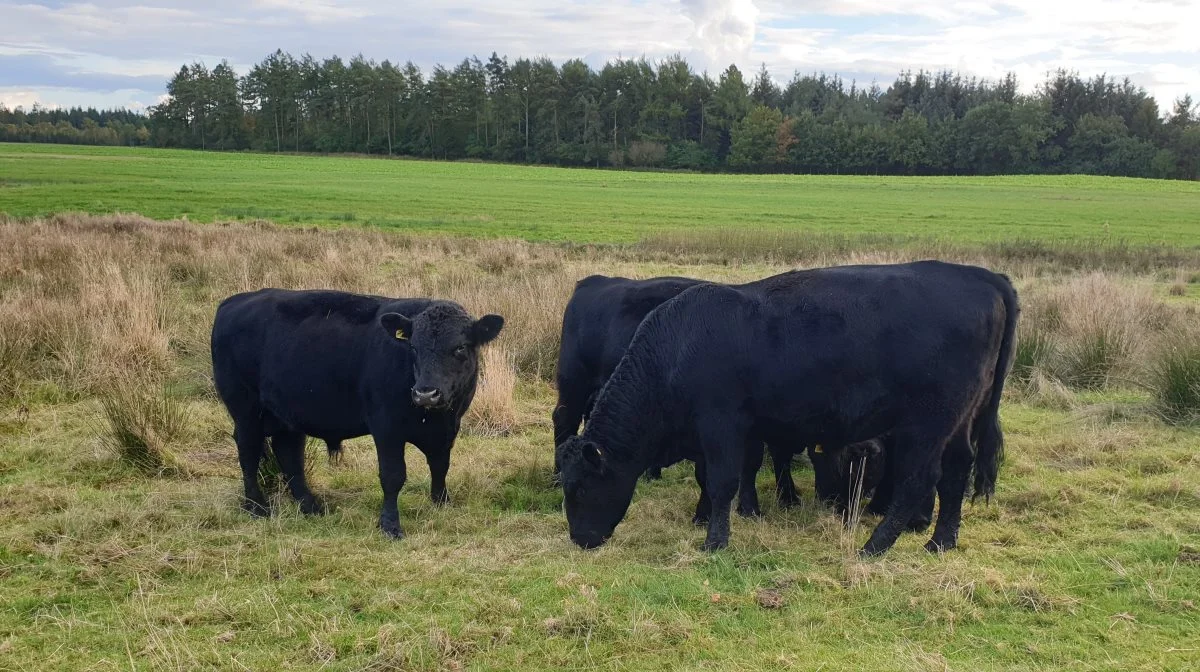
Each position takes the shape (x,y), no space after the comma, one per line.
(332,365)
(598,324)
(834,356)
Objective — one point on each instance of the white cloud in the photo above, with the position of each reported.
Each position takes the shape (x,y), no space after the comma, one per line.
(130,99)
(126,46)
(723,29)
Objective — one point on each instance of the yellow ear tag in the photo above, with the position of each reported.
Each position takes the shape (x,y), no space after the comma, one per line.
(818,449)
(400,335)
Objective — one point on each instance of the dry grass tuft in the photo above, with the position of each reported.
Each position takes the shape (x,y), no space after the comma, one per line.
(493,412)
(1089,332)
(1175,377)
(1105,324)
(142,422)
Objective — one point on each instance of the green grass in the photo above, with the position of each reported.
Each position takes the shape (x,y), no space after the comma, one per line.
(586,205)
(1087,559)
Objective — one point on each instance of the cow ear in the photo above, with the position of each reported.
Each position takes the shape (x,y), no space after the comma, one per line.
(593,454)
(486,328)
(399,326)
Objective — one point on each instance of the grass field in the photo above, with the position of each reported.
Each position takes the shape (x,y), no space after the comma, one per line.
(1088,558)
(585,205)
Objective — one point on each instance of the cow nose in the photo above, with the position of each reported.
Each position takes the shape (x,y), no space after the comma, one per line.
(589,541)
(426,396)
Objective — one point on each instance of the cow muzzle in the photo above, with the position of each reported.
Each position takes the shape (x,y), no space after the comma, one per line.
(428,397)
(589,541)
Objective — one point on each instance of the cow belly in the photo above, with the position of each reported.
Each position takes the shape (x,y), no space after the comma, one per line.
(316,412)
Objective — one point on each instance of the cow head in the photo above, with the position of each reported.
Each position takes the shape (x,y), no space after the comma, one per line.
(445,344)
(595,494)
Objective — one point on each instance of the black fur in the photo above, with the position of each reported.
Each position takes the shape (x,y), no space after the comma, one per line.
(332,365)
(914,352)
(598,324)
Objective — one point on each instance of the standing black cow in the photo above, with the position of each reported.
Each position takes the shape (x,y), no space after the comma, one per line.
(918,352)
(332,365)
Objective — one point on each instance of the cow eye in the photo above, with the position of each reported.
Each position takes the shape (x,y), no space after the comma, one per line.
(461,352)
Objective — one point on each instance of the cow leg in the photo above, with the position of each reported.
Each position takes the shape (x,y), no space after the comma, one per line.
(919,463)
(924,515)
(748,506)
(572,404)
(249,437)
(392,474)
(785,487)
(951,488)
(724,450)
(439,465)
(722,487)
(881,500)
(289,451)
(704,505)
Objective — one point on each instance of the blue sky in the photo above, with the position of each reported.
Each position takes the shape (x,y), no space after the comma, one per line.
(120,52)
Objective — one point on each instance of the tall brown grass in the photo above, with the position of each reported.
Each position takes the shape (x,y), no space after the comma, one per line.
(493,411)
(142,421)
(88,300)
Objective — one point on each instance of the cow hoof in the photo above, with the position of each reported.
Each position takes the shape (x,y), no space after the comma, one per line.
(871,551)
(440,500)
(750,512)
(313,506)
(788,502)
(934,546)
(918,524)
(256,509)
(392,529)
(712,545)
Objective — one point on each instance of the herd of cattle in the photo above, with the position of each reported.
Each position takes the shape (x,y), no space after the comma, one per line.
(903,364)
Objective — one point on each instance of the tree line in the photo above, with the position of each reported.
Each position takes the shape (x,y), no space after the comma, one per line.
(632,112)
(75,126)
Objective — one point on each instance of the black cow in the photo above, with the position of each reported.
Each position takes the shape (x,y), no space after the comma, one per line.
(332,365)
(598,324)
(917,352)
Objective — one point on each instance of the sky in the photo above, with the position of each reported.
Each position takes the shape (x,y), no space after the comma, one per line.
(119,53)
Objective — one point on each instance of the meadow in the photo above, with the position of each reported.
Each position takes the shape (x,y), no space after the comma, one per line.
(122,545)
(595,206)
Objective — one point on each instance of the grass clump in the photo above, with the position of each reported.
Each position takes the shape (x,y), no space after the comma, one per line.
(1175,379)
(1034,352)
(1091,358)
(142,422)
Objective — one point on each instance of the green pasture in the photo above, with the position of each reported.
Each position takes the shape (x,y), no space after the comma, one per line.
(580,205)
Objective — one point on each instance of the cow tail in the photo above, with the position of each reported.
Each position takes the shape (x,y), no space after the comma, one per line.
(335,451)
(988,438)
